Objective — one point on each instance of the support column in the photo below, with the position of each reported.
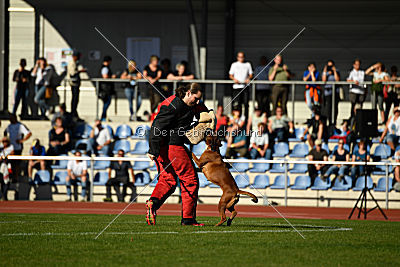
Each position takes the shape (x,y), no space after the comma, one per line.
(4,54)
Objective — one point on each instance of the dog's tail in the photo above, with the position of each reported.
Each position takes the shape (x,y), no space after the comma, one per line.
(254,198)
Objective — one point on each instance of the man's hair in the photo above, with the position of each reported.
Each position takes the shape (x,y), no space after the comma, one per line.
(107,58)
(194,88)
(123,151)
(154,57)
(357,59)
(63,106)
(22,61)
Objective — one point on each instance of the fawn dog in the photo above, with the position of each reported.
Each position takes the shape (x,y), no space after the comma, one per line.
(213,167)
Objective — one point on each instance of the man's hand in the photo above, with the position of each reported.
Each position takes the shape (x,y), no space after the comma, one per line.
(236,81)
(152,157)
(99,147)
(276,66)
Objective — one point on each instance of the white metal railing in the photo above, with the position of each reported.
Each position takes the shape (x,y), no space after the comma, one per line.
(285,162)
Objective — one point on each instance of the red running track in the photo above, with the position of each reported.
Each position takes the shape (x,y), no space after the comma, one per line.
(175,209)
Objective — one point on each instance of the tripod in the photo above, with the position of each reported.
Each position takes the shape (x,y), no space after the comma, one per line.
(363,198)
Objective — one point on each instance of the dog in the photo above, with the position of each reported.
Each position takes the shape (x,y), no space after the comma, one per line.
(215,170)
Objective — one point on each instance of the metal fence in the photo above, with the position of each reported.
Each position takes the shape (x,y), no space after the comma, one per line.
(285,162)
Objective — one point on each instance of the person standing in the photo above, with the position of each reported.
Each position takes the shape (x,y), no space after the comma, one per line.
(21,77)
(391,92)
(73,71)
(330,74)
(39,72)
(279,72)
(312,94)
(152,73)
(357,90)
(132,74)
(263,91)
(106,90)
(172,158)
(166,70)
(241,73)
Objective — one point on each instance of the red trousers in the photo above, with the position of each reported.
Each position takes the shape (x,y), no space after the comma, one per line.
(180,167)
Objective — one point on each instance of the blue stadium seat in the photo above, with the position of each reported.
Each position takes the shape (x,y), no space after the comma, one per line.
(60,177)
(279,182)
(211,185)
(382,151)
(84,146)
(381,185)
(242,180)
(142,178)
(277,168)
(326,147)
(199,148)
(341,185)
(82,131)
(222,149)
(123,131)
(298,132)
(360,183)
(299,168)
(203,182)
(153,168)
(302,182)
(381,169)
(239,166)
(141,148)
(299,151)
(261,181)
(60,164)
(125,145)
(281,149)
(259,167)
(100,178)
(321,185)
(154,181)
(141,165)
(42,177)
(101,164)
(141,132)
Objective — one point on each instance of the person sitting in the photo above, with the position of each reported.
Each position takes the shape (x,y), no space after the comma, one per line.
(340,154)
(236,143)
(312,92)
(77,172)
(259,143)
(67,118)
(100,138)
(59,139)
(319,130)
(393,128)
(396,181)
(122,170)
(6,149)
(280,126)
(36,150)
(236,117)
(222,122)
(254,121)
(359,156)
(317,154)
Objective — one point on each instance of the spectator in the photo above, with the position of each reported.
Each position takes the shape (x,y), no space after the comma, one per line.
(180,74)
(66,117)
(330,74)
(340,154)
(106,90)
(236,117)
(263,91)
(241,73)
(222,122)
(73,71)
(59,139)
(359,156)
(392,130)
(253,121)
(6,149)
(317,154)
(21,77)
(132,74)
(77,172)
(391,92)
(152,73)
(279,72)
(166,70)
(357,90)
(18,134)
(313,91)
(396,181)
(236,143)
(38,73)
(122,170)
(100,138)
(280,125)
(36,150)
(319,130)
(259,143)
(379,75)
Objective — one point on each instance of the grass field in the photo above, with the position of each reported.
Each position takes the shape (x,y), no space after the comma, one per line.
(58,239)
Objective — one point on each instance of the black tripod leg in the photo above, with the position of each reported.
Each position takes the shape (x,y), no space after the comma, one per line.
(377,205)
(355,206)
(362,203)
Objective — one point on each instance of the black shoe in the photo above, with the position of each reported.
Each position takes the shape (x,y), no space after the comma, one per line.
(191,222)
(107,199)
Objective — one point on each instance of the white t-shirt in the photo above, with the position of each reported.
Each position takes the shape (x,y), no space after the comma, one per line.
(4,152)
(259,140)
(379,76)
(394,126)
(39,76)
(77,168)
(241,72)
(16,131)
(356,75)
(104,71)
(237,120)
(102,136)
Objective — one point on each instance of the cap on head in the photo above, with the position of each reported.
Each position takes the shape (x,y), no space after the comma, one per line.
(318,142)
